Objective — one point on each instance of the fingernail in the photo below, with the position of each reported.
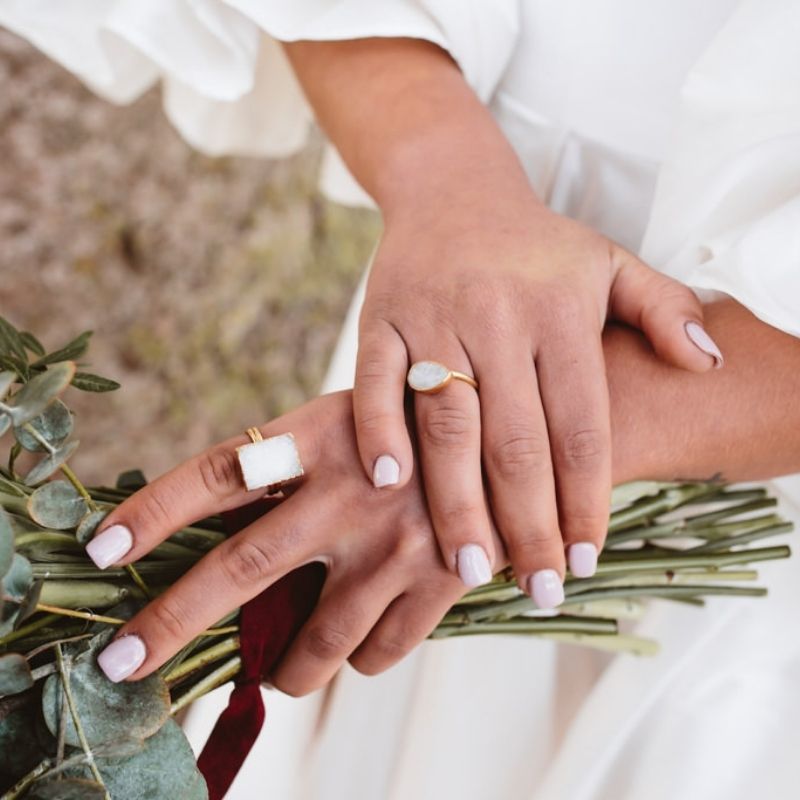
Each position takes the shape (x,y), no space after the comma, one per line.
(110,545)
(582,559)
(386,471)
(473,565)
(698,336)
(122,658)
(546,588)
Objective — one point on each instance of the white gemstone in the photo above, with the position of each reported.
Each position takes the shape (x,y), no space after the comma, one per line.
(270,461)
(425,376)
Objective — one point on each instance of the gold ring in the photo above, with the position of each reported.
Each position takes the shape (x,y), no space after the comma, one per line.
(268,463)
(429,377)
(255,435)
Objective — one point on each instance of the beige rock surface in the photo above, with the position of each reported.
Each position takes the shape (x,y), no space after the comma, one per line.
(215,287)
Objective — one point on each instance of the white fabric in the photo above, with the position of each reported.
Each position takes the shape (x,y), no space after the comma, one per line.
(615,127)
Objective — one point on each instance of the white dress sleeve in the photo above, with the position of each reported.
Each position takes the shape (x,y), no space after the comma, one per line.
(227,86)
(726,215)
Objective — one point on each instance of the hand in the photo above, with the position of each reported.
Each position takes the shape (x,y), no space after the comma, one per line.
(386,587)
(478,275)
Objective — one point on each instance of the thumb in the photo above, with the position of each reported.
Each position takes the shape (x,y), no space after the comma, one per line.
(667,312)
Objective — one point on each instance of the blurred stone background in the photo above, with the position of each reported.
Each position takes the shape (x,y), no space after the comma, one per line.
(215,287)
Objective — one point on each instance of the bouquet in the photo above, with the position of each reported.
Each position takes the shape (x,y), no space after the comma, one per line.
(67,732)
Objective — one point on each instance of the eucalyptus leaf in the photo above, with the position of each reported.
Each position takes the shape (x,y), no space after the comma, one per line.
(6,542)
(5,422)
(39,392)
(28,604)
(18,580)
(54,425)
(57,505)
(88,524)
(88,382)
(24,742)
(32,343)
(165,767)
(74,350)
(66,789)
(11,342)
(15,674)
(109,712)
(47,466)
(6,381)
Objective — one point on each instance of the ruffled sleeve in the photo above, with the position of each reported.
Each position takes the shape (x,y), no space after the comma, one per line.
(227,86)
(726,215)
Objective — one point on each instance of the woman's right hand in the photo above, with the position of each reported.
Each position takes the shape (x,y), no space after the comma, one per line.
(386,587)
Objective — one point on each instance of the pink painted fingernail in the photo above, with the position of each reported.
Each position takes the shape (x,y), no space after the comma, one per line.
(582,559)
(546,588)
(122,658)
(700,339)
(386,471)
(473,566)
(110,545)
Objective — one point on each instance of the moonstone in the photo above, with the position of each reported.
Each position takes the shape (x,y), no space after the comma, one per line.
(270,461)
(427,376)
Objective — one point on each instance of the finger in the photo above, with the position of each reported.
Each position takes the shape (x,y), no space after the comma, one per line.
(667,312)
(346,613)
(575,396)
(516,456)
(204,485)
(233,573)
(409,620)
(449,436)
(383,440)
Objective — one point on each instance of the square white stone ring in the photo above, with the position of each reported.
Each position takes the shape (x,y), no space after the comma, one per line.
(269,463)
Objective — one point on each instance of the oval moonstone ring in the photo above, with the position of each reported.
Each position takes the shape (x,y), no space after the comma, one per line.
(430,377)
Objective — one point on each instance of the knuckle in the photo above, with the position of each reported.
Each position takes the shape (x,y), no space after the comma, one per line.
(380,654)
(457,517)
(155,506)
(580,524)
(518,453)
(327,642)
(219,471)
(171,619)
(583,449)
(534,547)
(447,427)
(290,687)
(374,423)
(246,562)
(372,366)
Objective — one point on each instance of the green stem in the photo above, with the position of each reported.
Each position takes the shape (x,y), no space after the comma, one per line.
(63,668)
(202,659)
(214,679)
(22,632)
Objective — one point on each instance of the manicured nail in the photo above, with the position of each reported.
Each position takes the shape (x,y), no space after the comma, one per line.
(582,559)
(122,658)
(704,342)
(546,588)
(110,545)
(473,565)
(386,471)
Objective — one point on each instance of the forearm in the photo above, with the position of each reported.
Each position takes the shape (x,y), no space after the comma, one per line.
(741,422)
(404,120)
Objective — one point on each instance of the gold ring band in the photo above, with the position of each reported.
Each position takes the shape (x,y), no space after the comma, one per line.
(255,435)
(429,377)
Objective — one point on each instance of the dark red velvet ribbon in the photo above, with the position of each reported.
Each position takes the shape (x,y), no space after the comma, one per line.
(267,625)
